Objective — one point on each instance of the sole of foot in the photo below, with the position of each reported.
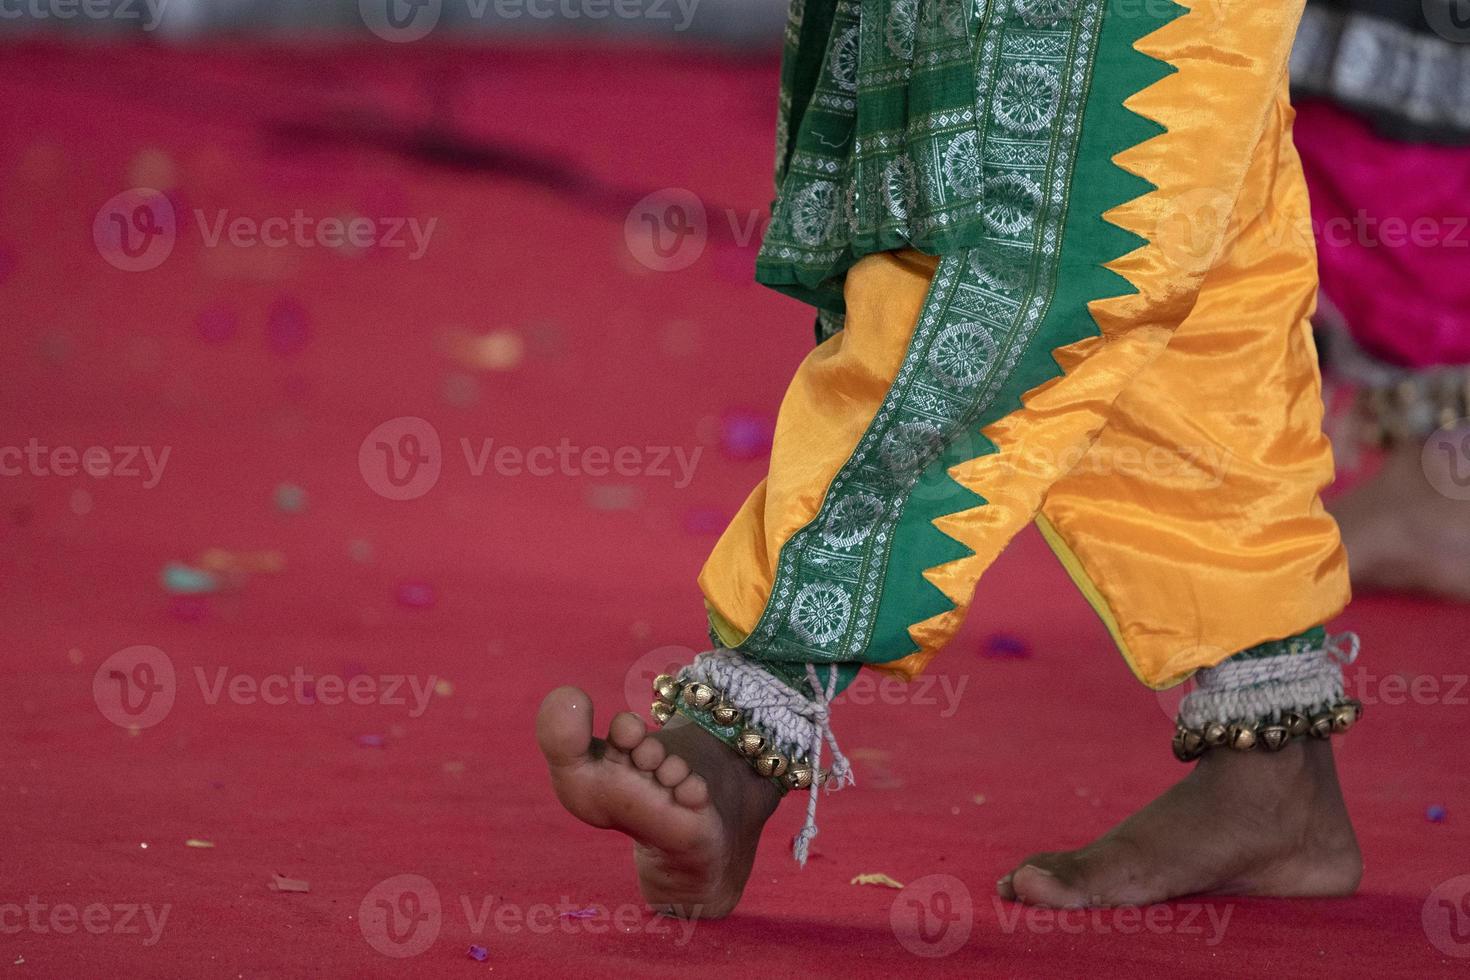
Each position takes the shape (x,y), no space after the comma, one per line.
(692,807)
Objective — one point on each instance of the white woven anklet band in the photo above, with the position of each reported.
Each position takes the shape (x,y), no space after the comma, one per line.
(1247,690)
(795,725)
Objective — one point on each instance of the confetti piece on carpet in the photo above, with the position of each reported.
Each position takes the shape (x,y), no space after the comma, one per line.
(1436,813)
(180,579)
(705,520)
(586,913)
(1005,646)
(612,496)
(287,327)
(416,595)
(243,562)
(877,878)
(197,842)
(371,741)
(499,350)
(280,883)
(460,390)
(289,498)
(746,435)
(478,953)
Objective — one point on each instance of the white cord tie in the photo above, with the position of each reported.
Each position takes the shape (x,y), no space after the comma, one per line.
(797,726)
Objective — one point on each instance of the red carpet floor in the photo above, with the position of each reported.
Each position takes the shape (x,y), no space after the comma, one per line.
(261,371)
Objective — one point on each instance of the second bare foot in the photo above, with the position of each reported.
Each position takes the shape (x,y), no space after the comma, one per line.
(1239,824)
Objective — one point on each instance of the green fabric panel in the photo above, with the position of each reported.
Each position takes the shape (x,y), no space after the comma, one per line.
(1313,639)
(1088,242)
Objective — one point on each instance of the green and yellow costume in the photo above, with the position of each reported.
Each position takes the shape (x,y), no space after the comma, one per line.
(1063,266)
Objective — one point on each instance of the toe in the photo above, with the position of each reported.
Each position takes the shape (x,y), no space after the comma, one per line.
(693,792)
(672,771)
(1005,888)
(564,726)
(1038,885)
(649,754)
(626,731)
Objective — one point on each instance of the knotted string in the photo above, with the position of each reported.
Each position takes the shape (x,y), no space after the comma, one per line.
(796,725)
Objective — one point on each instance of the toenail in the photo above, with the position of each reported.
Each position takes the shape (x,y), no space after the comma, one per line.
(1040,870)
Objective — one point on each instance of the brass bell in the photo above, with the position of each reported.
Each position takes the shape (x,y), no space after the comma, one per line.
(1188,744)
(666,688)
(661,712)
(1273,737)
(799,776)
(1343,717)
(725,713)
(750,743)
(1241,737)
(1321,725)
(1296,723)
(699,695)
(771,764)
(1215,734)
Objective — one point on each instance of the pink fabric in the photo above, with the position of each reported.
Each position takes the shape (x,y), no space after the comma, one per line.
(1392,222)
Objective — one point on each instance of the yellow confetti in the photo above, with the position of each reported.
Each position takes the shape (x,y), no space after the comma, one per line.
(196,842)
(499,350)
(979,798)
(877,878)
(443,688)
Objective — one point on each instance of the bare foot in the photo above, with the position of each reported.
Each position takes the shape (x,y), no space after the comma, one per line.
(692,806)
(1239,824)
(1403,535)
